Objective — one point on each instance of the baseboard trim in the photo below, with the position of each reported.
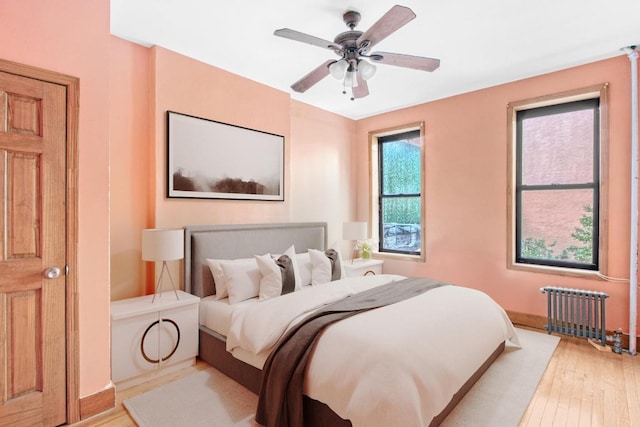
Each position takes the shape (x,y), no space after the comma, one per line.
(98,402)
(528,320)
(539,322)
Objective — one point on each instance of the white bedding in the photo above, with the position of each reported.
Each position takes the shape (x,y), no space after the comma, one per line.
(396,365)
(216,314)
(258,327)
(390,375)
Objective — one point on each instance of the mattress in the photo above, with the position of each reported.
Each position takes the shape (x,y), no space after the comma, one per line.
(216,314)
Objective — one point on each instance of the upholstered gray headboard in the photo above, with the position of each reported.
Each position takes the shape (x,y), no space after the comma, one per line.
(242,241)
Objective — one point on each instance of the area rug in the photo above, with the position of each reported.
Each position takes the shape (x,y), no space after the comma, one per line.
(501,396)
(210,399)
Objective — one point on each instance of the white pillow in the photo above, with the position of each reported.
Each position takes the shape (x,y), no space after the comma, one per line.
(278,276)
(242,279)
(323,269)
(304,267)
(220,282)
(320,267)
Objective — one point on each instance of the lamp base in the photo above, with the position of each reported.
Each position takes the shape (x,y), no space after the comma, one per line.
(159,284)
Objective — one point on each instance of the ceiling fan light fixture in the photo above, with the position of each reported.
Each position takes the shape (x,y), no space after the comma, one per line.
(351,78)
(338,69)
(366,69)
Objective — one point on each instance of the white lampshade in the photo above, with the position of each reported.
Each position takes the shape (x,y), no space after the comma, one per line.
(354,230)
(338,68)
(351,78)
(367,70)
(162,244)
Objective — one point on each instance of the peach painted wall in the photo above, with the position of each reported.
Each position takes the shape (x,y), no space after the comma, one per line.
(466,187)
(72,37)
(322,174)
(318,150)
(318,175)
(131,200)
(191,87)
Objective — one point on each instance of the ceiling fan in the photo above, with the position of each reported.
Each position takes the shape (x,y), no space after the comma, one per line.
(353,47)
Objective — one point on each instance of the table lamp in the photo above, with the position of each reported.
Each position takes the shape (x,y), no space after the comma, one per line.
(354,230)
(163,244)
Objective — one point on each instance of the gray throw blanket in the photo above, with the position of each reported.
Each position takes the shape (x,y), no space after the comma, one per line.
(280,399)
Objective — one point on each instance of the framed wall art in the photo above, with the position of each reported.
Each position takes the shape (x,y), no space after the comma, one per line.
(207,159)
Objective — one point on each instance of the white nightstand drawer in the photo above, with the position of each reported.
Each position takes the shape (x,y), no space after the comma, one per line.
(361,267)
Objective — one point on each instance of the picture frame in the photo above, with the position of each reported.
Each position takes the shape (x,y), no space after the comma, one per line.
(207,159)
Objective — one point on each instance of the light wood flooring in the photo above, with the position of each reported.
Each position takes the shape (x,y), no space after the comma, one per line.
(582,386)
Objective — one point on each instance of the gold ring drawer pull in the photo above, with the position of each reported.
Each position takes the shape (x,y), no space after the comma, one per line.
(147,358)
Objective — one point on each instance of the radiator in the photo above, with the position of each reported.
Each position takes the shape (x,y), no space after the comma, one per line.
(576,312)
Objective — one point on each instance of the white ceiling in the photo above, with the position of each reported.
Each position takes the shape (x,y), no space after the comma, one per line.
(479,43)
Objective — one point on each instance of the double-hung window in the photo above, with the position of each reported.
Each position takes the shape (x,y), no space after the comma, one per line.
(556,181)
(397,211)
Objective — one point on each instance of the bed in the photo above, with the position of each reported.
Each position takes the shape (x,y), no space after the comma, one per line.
(365,370)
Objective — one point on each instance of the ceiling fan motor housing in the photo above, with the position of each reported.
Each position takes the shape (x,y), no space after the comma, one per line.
(348,40)
(351,18)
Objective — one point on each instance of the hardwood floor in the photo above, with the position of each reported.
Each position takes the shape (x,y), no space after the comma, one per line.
(582,386)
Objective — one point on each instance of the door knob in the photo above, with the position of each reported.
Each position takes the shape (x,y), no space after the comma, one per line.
(52,273)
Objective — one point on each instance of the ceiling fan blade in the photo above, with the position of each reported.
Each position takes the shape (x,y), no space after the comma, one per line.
(362,89)
(407,61)
(395,18)
(313,77)
(306,38)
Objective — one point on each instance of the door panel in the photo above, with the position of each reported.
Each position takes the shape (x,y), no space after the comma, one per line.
(32,239)
(23,175)
(22,315)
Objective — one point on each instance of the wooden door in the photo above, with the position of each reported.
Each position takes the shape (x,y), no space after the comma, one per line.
(32,246)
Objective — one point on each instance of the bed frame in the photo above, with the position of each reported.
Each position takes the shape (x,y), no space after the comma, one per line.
(245,241)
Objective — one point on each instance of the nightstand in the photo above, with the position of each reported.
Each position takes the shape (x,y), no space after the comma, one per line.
(151,338)
(360,267)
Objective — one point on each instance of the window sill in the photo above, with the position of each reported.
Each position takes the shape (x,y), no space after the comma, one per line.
(398,257)
(557,271)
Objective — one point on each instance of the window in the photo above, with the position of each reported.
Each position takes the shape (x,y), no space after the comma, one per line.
(397,182)
(557,193)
